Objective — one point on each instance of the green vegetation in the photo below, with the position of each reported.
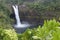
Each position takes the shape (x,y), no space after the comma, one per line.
(46,9)
(49,31)
(8,34)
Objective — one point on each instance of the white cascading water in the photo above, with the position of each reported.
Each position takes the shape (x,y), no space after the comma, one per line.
(18,25)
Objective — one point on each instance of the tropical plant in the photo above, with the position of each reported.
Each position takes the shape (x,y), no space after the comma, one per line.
(8,34)
(49,31)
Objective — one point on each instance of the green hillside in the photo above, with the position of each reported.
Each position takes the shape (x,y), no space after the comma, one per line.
(34,12)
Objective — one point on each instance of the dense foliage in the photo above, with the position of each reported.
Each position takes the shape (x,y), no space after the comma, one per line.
(8,34)
(46,9)
(49,31)
(5,20)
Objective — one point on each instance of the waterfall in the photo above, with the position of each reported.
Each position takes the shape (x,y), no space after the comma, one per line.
(19,24)
(16,14)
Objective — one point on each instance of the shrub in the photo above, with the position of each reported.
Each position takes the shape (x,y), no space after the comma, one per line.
(8,34)
(49,31)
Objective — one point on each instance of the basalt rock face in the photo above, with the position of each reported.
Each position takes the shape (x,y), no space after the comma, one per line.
(33,17)
(29,15)
(38,15)
(26,15)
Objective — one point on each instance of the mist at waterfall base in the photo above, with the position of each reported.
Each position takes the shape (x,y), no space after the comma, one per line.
(18,22)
